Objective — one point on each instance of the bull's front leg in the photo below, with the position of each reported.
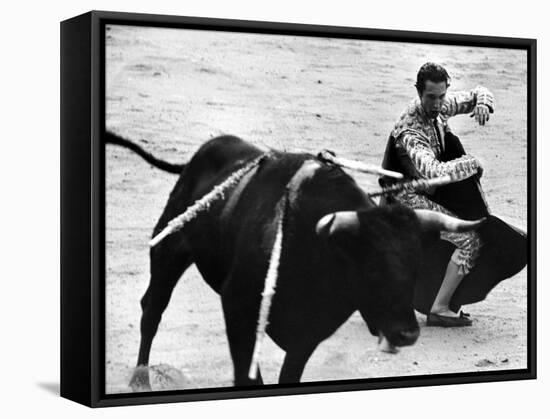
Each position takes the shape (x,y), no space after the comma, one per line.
(294,363)
(240,324)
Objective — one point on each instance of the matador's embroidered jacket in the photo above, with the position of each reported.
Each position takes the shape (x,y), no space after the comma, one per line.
(419,140)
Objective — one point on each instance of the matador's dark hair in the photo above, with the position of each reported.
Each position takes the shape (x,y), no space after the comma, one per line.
(433,72)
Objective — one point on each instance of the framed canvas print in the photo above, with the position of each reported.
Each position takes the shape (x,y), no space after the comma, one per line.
(254,208)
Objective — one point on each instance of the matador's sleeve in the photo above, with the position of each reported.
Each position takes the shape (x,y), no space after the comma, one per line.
(417,148)
(464,102)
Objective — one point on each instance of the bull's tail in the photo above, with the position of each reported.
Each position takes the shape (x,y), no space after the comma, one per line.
(111,138)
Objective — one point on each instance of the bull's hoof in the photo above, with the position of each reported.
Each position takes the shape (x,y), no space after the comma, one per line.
(384,345)
(140,379)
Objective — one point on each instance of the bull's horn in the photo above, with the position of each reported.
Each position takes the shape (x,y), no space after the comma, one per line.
(337,221)
(438,221)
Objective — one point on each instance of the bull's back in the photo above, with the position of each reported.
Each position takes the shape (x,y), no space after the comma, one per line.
(232,241)
(246,220)
(210,165)
(215,161)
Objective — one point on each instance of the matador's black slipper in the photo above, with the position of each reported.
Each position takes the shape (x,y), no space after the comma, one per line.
(439,320)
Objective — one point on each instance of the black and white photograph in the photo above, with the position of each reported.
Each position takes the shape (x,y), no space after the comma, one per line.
(291,209)
(284,209)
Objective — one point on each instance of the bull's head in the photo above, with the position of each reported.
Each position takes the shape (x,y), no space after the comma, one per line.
(383,249)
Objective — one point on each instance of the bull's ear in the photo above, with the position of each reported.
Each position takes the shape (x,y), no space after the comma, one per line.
(338,225)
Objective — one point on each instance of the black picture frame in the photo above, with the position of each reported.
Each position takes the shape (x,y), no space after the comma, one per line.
(83,207)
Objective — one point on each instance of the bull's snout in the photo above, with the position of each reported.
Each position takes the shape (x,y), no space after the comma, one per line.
(391,343)
(407,337)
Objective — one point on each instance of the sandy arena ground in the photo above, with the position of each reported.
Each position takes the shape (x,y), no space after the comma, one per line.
(171,90)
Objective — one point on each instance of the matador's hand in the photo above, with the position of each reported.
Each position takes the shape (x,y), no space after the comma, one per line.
(481,113)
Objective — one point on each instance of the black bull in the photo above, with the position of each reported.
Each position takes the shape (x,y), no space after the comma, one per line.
(360,257)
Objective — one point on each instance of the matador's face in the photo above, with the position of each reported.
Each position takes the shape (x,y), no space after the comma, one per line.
(432,97)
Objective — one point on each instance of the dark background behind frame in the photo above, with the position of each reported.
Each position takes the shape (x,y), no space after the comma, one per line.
(286,29)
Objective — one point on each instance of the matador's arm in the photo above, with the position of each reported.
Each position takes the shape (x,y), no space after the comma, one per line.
(464,102)
(417,148)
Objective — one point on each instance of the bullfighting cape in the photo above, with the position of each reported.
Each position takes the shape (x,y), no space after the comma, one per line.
(504,250)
